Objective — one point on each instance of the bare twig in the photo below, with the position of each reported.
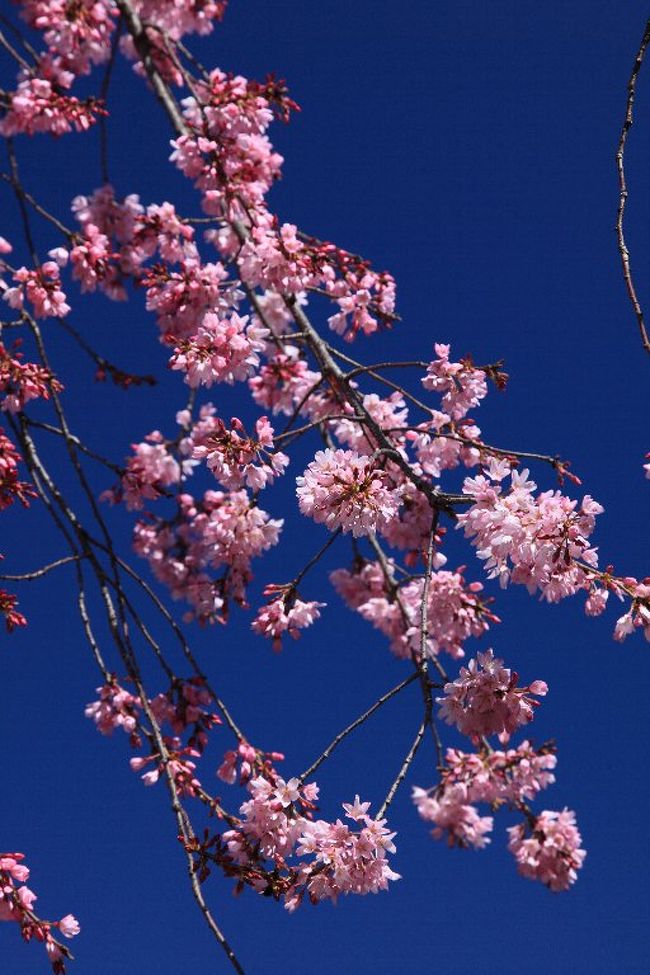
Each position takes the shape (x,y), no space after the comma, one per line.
(622,182)
(355,724)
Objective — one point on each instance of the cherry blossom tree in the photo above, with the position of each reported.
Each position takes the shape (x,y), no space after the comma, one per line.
(238,298)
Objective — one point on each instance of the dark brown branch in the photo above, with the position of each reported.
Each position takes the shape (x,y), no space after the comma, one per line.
(622,182)
(355,724)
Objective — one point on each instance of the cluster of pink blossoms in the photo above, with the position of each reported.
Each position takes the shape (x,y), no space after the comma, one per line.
(389,414)
(343,489)
(115,708)
(119,236)
(8,611)
(38,106)
(462,385)
(638,615)
(540,541)
(21,381)
(41,288)
(222,350)
(453,816)
(247,762)
(11,487)
(79,36)
(438,444)
(495,777)
(227,153)
(485,700)
(222,530)
(278,258)
(286,613)
(185,707)
(455,611)
(276,825)
(17,904)
(549,851)
(235,459)
(284,382)
(152,469)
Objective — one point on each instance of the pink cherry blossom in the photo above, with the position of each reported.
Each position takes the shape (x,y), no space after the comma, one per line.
(115,708)
(69,926)
(484,698)
(549,850)
(461,384)
(453,817)
(285,614)
(36,106)
(539,541)
(221,350)
(42,288)
(343,489)
(235,459)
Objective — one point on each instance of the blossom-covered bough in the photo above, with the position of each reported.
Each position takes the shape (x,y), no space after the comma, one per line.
(240,298)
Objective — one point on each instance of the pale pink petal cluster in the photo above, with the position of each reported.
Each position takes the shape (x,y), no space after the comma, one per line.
(638,616)
(453,817)
(223,530)
(37,106)
(345,861)
(366,298)
(247,762)
(187,707)
(436,448)
(462,386)
(494,776)
(222,350)
(17,904)
(41,288)
(389,414)
(540,541)
(411,528)
(77,35)
(276,825)
(180,768)
(285,615)
(22,381)
(235,459)
(454,609)
(184,298)
(8,611)
(92,261)
(228,154)
(284,383)
(152,469)
(12,489)
(276,260)
(343,489)
(485,700)
(548,850)
(115,708)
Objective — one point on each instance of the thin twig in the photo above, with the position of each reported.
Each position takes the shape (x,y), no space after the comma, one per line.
(38,573)
(401,775)
(355,724)
(622,182)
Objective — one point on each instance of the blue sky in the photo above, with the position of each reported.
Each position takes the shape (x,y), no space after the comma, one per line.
(468,148)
